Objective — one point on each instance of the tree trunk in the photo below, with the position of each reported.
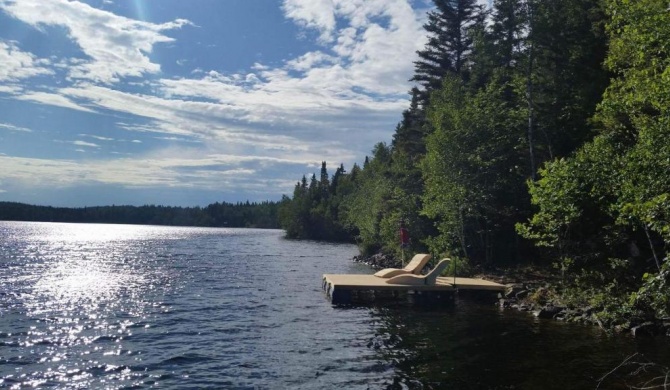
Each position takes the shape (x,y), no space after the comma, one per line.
(529,91)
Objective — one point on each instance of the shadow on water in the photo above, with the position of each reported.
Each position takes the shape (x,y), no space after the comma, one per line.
(469,343)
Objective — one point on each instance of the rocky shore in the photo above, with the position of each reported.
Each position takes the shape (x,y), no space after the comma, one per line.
(529,291)
(529,298)
(379,261)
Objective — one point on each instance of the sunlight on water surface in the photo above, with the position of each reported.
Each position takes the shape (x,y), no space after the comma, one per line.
(86,288)
(114,306)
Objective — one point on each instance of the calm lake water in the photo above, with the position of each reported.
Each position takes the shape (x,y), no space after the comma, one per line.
(117,306)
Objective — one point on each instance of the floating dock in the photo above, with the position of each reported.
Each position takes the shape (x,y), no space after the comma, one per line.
(341,288)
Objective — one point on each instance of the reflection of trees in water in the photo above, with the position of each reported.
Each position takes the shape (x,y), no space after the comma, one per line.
(413,338)
(473,345)
(636,372)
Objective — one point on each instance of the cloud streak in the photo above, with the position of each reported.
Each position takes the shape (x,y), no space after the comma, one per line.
(212,172)
(7,126)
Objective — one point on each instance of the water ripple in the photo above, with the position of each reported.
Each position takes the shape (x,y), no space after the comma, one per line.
(135,307)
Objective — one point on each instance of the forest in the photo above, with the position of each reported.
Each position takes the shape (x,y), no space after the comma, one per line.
(537,133)
(251,215)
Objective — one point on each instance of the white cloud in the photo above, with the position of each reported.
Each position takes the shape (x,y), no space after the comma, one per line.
(317,14)
(84,143)
(97,137)
(117,46)
(17,65)
(9,127)
(310,60)
(11,89)
(159,169)
(52,99)
(376,42)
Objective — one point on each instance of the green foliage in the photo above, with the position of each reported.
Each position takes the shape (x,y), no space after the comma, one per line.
(654,294)
(459,266)
(556,195)
(613,196)
(366,207)
(572,197)
(473,170)
(387,193)
(313,212)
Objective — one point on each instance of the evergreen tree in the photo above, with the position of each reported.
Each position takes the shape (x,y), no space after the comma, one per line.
(449,43)
(336,179)
(410,134)
(564,79)
(509,20)
(324,183)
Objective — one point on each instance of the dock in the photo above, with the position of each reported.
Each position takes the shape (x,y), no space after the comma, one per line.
(343,288)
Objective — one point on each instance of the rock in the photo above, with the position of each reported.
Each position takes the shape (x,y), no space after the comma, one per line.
(665,326)
(570,314)
(521,294)
(504,303)
(548,312)
(645,329)
(378,261)
(512,290)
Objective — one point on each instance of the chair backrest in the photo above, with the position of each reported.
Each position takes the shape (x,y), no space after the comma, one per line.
(431,277)
(417,263)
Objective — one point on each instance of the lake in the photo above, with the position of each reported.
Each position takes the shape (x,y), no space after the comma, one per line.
(120,306)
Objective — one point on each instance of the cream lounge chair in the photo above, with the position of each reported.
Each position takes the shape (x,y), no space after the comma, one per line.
(413,267)
(419,280)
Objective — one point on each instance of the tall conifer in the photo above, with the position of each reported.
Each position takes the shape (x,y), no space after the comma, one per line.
(449,43)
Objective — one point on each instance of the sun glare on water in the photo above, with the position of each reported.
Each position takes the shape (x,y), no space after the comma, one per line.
(83,289)
(88,266)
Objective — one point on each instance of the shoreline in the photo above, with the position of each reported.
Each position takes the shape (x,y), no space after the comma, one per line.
(533,291)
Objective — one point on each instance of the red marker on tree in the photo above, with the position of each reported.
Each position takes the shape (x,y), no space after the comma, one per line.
(404,237)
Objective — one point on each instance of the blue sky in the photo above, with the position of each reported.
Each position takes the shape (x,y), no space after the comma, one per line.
(192,102)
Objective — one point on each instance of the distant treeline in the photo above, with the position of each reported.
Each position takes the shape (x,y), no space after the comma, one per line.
(257,215)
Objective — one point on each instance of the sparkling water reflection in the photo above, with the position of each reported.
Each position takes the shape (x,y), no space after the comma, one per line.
(86,306)
(111,306)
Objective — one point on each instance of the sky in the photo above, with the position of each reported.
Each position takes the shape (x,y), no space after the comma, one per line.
(187,103)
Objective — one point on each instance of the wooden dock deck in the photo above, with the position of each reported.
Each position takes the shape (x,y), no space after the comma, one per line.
(339,287)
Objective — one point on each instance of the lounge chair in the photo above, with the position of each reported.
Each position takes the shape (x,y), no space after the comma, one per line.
(413,267)
(419,280)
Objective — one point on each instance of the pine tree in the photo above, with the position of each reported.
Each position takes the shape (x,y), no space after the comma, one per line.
(324,182)
(449,43)
(565,49)
(509,20)
(410,134)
